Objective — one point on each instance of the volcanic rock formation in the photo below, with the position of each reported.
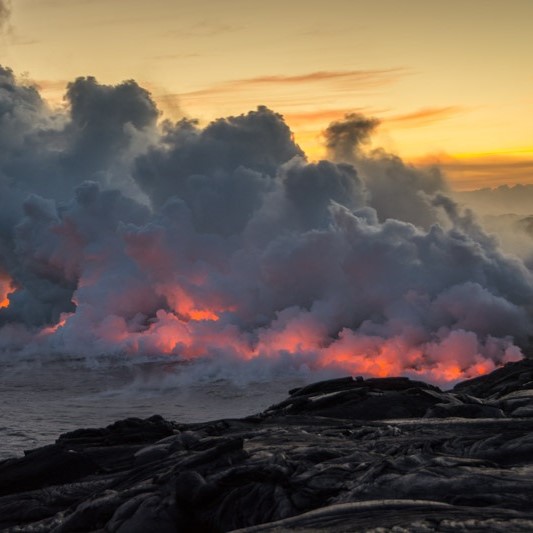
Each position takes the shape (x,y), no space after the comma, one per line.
(347,454)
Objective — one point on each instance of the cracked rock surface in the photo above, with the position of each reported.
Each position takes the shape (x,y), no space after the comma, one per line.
(341,455)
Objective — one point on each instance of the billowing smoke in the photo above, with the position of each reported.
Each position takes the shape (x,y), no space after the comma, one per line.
(344,138)
(507,212)
(121,234)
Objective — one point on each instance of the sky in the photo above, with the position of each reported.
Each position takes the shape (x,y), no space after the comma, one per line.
(450,82)
(216,238)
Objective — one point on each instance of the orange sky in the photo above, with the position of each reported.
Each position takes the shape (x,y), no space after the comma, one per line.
(451,82)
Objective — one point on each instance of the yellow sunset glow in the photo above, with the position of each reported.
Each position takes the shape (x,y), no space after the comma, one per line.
(449,79)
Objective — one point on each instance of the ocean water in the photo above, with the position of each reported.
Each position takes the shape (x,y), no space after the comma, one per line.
(42,397)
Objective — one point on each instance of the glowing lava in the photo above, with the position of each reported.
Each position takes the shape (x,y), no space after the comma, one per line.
(203,314)
(49,330)
(199,333)
(6,288)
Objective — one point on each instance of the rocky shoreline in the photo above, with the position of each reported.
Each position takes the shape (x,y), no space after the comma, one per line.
(343,455)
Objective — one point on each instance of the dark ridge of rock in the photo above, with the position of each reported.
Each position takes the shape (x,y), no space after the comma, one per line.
(399,384)
(511,377)
(371,399)
(472,410)
(341,455)
(49,465)
(329,385)
(398,516)
(128,431)
(360,405)
(346,383)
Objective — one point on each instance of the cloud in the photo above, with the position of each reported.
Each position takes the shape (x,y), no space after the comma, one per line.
(47,154)
(346,80)
(472,171)
(50,152)
(424,117)
(396,190)
(505,199)
(100,118)
(345,137)
(364,77)
(221,171)
(5,16)
(318,117)
(312,188)
(122,234)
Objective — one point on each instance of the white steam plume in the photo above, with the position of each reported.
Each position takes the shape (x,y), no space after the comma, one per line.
(122,235)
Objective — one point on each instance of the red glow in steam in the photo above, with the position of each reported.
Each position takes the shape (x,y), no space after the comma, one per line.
(203,314)
(196,333)
(6,288)
(49,330)
(185,306)
(194,327)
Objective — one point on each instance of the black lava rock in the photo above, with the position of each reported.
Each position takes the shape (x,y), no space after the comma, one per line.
(340,455)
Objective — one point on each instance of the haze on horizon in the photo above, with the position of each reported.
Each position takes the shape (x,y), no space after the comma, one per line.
(451,83)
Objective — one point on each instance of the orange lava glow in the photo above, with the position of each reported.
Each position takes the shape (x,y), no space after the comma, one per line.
(192,327)
(49,330)
(191,308)
(203,314)
(200,333)
(287,341)
(378,357)
(6,288)
(379,362)
(451,371)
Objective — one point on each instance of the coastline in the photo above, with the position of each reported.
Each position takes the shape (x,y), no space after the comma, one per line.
(339,455)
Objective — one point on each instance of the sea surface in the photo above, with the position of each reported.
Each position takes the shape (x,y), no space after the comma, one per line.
(42,397)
